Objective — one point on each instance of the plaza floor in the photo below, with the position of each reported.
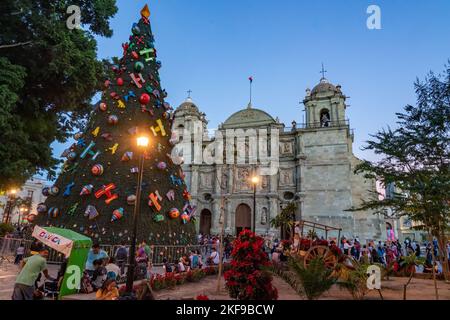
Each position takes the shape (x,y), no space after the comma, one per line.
(419,289)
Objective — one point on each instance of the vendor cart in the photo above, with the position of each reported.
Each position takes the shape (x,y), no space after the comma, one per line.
(308,246)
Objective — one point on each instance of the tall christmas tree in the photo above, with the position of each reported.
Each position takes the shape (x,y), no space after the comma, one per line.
(96,192)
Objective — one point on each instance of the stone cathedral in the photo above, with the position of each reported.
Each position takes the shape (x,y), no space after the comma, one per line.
(316,165)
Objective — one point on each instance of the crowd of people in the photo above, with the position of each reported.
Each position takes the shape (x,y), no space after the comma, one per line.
(388,253)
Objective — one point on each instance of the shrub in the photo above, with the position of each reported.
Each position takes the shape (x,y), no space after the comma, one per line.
(5,228)
(355,281)
(247,280)
(315,279)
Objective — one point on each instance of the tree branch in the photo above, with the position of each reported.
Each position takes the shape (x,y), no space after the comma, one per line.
(15,45)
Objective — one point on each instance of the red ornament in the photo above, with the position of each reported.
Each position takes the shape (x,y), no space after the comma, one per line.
(119,81)
(107,83)
(135,55)
(103,106)
(144,99)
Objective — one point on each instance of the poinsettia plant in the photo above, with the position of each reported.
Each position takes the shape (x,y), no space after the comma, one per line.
(248,279)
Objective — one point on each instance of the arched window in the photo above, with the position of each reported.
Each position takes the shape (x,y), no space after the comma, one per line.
(325,118)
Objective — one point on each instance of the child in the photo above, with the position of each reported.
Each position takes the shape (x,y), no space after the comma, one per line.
(108,291)
(99,275)
(19,253)
(166,266)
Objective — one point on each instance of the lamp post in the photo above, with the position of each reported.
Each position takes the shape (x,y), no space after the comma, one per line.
(255,181)
(142,143)
(9,205)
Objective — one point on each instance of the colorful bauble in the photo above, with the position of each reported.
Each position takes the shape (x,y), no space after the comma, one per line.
(117,214)
(138,66)
(86,190)
(144,98)
(113,119)
(119,81)
(53,212)
(185,218)
(97,169)
(46,191)
(174,213)
(131,200)
(72,156)
(103,106)
(41,208)
(53,191)
(162,165)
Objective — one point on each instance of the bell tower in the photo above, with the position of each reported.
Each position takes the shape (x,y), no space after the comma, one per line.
(325,105)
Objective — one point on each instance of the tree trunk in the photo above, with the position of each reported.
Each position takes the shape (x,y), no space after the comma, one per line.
(407,284)
(443,255)
(432,267)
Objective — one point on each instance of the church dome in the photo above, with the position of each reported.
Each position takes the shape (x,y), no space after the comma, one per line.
(249,117)
(324,88)
(188,105)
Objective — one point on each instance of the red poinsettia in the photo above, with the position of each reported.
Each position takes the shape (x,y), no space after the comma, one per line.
(202,297)
(247,280)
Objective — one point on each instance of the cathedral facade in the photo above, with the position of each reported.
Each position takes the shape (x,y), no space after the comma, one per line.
(315,171)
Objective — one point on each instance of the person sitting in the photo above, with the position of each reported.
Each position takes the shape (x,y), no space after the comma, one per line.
(98,275)
(213,259)
(112,269)
(187,263)
(181,267)
(166,266)
(94,254)
(108,291)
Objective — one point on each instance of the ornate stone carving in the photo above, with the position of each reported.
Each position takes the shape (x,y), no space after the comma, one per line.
(286,147)
(264,216)
(286,177)
(206,180)
(242,179)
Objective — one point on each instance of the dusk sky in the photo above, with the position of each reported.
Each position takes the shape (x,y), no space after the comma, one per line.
(212,47)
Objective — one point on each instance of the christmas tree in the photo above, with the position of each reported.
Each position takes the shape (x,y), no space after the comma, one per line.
(95,193)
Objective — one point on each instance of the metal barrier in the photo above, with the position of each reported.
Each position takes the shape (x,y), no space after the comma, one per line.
(8,247)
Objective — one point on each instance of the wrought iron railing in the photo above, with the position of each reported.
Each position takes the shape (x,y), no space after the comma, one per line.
(8,247)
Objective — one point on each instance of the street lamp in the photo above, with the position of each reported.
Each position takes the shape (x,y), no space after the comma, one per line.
(9,205)
(142,143)
(255,181)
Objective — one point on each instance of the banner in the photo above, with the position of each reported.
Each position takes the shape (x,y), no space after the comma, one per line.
(53,240)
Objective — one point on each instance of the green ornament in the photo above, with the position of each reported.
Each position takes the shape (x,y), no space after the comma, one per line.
(138,66)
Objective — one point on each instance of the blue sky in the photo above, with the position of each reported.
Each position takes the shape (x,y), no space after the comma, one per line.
(212,47)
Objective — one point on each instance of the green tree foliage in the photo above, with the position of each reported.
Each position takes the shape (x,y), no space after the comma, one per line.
(315,279)
(48,75)
(285,219)
(415,157)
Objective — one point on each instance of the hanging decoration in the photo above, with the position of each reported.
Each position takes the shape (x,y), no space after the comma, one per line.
(131,200)
(53,212)
(91,212)
(89,151)
(170,195)
(113,149)
(107,191)
(127,156)
(53,191)
(117,214)
(68,189)
(174,213)
(96,132)
(161,165)
(97,169)
(155,198)
(113,119)
(86,190)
